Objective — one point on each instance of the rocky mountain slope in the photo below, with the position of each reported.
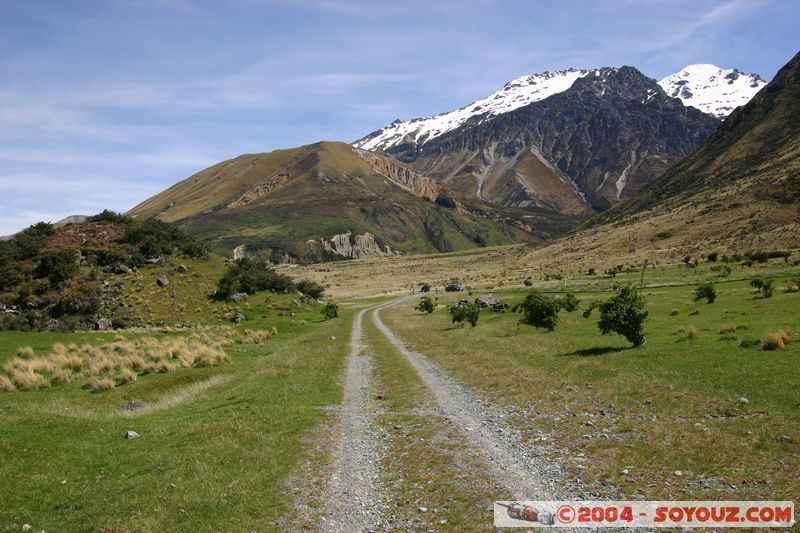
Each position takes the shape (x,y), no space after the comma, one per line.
(711,89)
(577,151)
(574,141)
(330,200)
(740,190)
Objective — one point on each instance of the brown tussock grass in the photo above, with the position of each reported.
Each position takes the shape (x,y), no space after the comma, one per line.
(67,362)
(727,329)
(100,384)
(5,384)
(127,376)
(25,352)
(691,331)
(775,340)
(61,376)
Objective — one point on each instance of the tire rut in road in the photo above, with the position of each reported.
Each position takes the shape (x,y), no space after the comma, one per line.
(522,469)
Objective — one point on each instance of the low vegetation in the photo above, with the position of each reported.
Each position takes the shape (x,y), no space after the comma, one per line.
(120,362)
(469,313)
(425,305)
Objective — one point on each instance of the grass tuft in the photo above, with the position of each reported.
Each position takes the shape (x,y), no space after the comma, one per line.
(100,384)
(25,352)
(5,384)
(691,331)
(775,340)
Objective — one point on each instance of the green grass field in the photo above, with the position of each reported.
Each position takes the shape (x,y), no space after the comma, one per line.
(216,442)
(631,418)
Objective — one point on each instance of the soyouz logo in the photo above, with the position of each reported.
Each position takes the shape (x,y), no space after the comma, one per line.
(644,514)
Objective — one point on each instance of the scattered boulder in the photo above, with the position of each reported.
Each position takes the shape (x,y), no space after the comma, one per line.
(499,308)
(487,301)
(132,404)
(162,281)
(131,435)
(454,287)
(154,260)
(238,317)
(181,269)
(296,303)
(744,401)
(102,324)
(239,297)
(462,303)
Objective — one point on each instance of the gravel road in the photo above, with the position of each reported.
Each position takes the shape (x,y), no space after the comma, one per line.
(521,469)
(355,494)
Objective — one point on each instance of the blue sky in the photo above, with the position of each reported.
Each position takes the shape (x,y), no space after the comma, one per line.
(104,103)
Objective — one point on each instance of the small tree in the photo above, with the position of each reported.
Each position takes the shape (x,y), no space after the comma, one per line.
(569,302)
(330,310)
(764,286)
(539,310)
(705,291)
(425,305)
(465,313)
(624,314)
(425,287)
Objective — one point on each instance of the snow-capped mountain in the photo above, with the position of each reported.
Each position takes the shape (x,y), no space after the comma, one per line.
(711,89)
(515,94)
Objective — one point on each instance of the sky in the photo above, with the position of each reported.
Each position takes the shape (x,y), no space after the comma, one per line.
(105,103)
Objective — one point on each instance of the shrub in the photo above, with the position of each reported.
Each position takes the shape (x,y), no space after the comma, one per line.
(110,216)
(569,302)
(764,286)
(775,340)
(425,305)
(674,312)
(312,289)
(57,266)
(705,291)
(247,275)
(82,298)
(624,314)
(712,257)
(465,313)
(527,282)
(539,310)
(591,271)
(425,287)
(330,310)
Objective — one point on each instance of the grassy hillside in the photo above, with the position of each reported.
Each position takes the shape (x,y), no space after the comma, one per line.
(276,203)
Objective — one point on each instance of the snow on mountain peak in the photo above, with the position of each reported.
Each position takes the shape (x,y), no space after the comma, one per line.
(711,89)
(514,94)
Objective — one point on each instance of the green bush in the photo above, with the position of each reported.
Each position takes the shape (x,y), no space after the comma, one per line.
(57,266)
(312,289)
(247,275)
(153,237)
(111,216)
(82,298)
(425,305)
(624,314)
(569,302)
(705,291)
(465,313)
(539,310)
(330,311)
(764,286)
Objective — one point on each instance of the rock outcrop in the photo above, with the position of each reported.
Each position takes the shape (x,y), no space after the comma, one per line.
(355,246)
(414,182)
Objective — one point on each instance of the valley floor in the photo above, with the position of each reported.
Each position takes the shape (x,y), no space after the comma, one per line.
(387,419)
